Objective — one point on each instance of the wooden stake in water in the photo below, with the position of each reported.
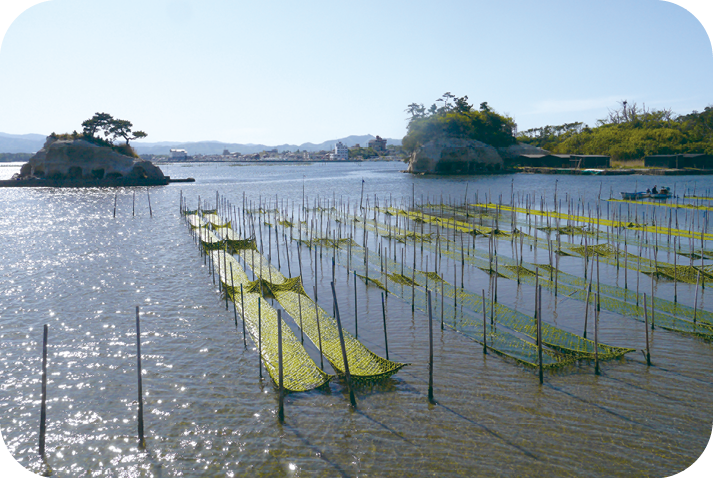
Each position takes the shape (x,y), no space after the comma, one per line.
(383,314)
(281,409)
(115,204)
(259,333)
(299,304)
(356,323)
(485,337)
(148,194)
(43,406)
(646,328)
(539,333)
(232,288)
(133,204)
(242,312)
(347,375)
(695,302)
(430,349)
(142,442)
(596,338)
(319,333)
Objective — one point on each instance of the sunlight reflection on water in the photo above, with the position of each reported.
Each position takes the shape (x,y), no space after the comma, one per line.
(68,263)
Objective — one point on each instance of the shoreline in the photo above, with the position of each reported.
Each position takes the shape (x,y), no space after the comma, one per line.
(89,183)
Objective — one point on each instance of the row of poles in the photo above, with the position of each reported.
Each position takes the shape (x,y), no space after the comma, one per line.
(43,401)
(133,202)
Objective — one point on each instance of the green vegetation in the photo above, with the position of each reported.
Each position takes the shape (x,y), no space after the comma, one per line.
(629,132)
(111,127)
(456,118)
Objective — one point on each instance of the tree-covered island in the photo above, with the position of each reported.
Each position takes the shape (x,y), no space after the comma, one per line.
(90,158)
(453,137)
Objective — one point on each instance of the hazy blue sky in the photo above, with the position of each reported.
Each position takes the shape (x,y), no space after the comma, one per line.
(290,72)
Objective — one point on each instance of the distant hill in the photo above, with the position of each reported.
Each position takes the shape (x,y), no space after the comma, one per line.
(30,143)
(21,143)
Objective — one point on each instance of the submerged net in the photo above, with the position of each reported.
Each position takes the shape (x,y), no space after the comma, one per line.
(300,373)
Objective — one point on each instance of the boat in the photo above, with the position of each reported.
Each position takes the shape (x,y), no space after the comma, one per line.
(663,193)
(637,195)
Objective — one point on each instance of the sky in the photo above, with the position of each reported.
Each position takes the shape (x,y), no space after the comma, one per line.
(276,72)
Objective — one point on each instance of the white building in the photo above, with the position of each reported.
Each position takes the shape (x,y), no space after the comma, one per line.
(179,154)
(341,152)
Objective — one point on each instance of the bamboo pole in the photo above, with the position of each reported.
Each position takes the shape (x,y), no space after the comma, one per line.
(242,313)
(356,302)
(430,350)
(281,409)
(646,328)
(695,303)
(319,332)
(383,314)
(485,337)
(539,333)
(347,375)
(148,194)
(43,405)
(142,441)
(259,333)
(232,288)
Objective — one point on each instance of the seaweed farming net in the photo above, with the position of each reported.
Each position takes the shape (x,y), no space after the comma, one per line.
(300,373)
(319,326)
(472,304)
(654,228)
(669,315)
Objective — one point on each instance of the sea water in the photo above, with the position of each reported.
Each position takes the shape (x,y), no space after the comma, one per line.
(66,261)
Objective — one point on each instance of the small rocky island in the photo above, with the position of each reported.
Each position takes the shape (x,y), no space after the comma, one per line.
(86,159)
(457,138)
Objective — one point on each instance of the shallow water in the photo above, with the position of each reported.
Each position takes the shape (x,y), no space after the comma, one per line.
(69,263)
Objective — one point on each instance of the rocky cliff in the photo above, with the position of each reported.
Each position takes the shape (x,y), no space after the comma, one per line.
(79,159)
(447,155)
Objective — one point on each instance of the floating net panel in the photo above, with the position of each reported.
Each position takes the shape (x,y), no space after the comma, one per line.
(215,221)
(195,221)
(552,336)
(300,373)
(656,229)
(498,338)
(363,363)
(663,204)
(669,315)
(462,226)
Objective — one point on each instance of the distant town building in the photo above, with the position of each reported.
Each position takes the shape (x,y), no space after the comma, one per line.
(226,152)
(378,144)
(356,146)
(179,154)
(341,152)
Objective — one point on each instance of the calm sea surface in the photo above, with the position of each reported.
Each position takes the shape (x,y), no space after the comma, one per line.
(67,262)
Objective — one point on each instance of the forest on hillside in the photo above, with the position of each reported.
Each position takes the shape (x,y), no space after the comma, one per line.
(629,132)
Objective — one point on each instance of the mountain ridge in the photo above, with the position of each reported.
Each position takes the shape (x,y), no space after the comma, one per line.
(30,143)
